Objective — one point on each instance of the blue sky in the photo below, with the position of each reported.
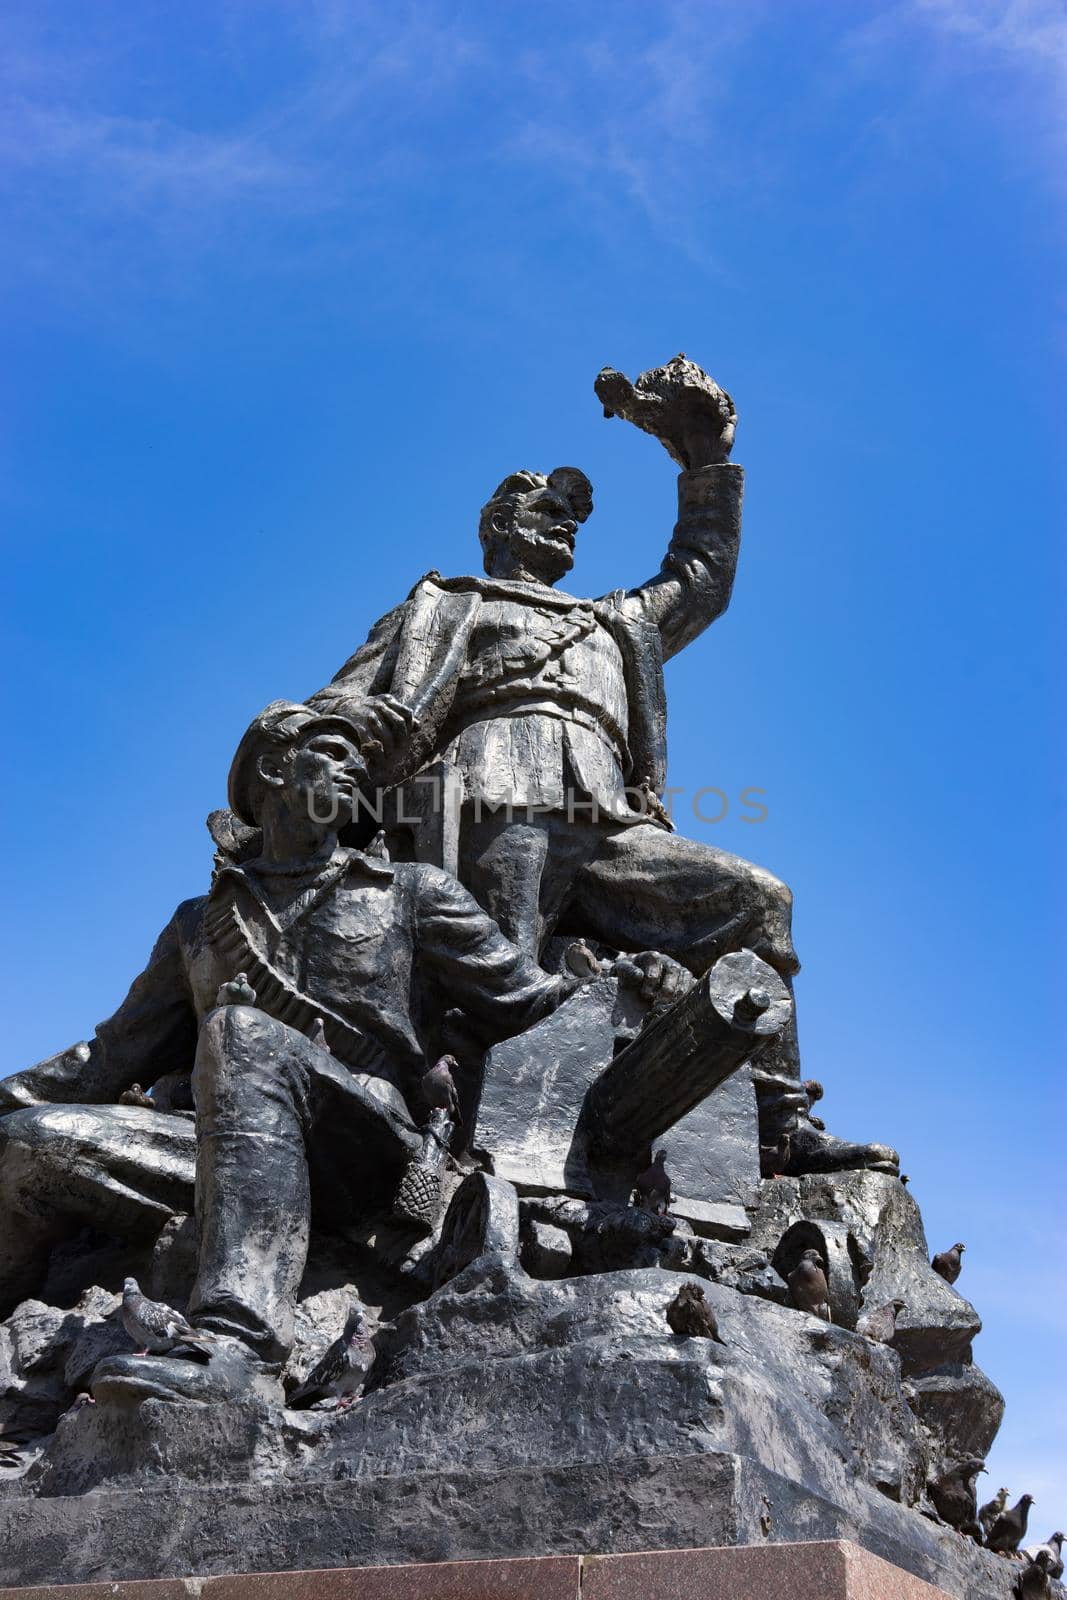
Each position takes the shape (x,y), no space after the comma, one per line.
(288,287)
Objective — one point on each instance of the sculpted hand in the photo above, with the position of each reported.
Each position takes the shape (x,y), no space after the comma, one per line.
(659,979)
(383,722)
(679,405)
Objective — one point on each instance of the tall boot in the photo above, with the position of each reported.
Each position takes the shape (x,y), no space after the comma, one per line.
(792,1142)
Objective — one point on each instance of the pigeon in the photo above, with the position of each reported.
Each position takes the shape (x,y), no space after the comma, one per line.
(948,1263)
(341,1371)
(155,1327)
(989,1513)
(1034,1582)
(652,806)
(1054,1545)
(238,992)
(905,1180)
(439,1087)
(317,1034)
(1009,1530)
(653,1187)
(808,1285)
(690,1315)
(954,1496)
(783,1155)
(581,961)
(862,1262)
(814,1091)
(881,1325)
(234,841)
(136,1096)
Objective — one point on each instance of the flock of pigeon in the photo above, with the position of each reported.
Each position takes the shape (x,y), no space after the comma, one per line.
(996,1526)
(339,1375)
(341,1372)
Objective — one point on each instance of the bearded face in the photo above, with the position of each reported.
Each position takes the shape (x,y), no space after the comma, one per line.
(534,536)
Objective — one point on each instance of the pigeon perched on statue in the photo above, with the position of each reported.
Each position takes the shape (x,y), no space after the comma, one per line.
(989,1513)
(808,1286)
(238,992)
(1035,1580)
(955,1497)
(862,1263)
(155,1327)
(653,1187)
(136,1096)
(341,1371)
(881,1324)
(814,1091)
(690,1315)
(777,1164)
(234,840)
(652,806)
(1054,1545)
(1009,1530)
(439,1088)
(582,962)
(948,1263)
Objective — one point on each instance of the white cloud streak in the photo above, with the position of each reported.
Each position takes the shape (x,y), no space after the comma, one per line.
(1033,30)
(641,120)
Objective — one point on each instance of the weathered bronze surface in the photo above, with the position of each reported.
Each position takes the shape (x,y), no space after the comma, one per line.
(463,1067)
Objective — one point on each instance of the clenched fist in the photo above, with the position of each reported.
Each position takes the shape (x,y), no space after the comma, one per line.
(679,405)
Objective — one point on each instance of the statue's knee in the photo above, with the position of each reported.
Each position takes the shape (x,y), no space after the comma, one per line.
(781,899)
(770,898)
(229,1031)
(238,1047)
(771,936)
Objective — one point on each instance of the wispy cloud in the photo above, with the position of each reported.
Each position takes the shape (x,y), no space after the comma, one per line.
(134,160)
(1016,49)
(1023,46)
(1033,30)
(296,121)
(644,116)
(328,127)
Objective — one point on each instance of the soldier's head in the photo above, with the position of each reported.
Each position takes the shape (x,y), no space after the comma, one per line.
(529,524)
(295,761)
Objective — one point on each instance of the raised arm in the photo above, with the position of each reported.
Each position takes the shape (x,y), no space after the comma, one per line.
(152,1032)
(693,584)
(695,421)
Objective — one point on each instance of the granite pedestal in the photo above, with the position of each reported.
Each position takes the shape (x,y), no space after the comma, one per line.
(834,1570)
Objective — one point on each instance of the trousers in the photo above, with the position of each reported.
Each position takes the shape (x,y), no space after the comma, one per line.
(280,1125)
(633,886)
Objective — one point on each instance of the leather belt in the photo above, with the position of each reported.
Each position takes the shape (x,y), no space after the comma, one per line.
(593,720)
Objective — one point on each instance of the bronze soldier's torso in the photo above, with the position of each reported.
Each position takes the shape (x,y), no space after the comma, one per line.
(541,705)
